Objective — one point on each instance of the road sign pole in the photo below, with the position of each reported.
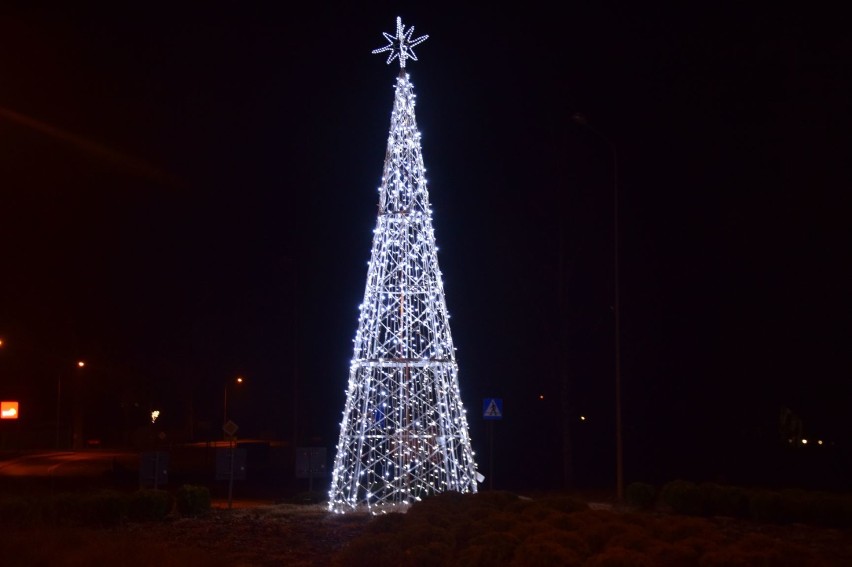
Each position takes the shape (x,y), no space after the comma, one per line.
(490,455)
(156,469)
(231,475)
(492,410)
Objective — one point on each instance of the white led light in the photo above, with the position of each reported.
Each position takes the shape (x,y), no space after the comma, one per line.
(401,46)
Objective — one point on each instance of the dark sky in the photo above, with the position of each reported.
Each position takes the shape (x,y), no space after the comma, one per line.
(182,188)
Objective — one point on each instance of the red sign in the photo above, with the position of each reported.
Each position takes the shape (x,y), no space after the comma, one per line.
(8,410)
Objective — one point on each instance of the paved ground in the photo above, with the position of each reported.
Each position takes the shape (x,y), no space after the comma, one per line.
(268,480)
(53,464)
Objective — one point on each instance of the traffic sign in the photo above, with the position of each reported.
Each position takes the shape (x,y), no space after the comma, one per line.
(310,462)
(154,469)
(230,428)
(230,463)
(492,408)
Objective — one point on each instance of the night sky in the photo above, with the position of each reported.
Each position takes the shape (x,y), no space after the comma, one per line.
(188,195)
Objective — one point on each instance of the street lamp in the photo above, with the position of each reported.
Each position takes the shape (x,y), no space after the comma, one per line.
(79,364)
(238,380)
(619,453)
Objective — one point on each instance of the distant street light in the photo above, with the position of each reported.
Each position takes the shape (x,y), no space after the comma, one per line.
(619,453)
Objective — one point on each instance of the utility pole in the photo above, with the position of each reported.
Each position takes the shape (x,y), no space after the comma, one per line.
(619,446)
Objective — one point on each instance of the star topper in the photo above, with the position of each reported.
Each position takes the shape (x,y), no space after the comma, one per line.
(401,46)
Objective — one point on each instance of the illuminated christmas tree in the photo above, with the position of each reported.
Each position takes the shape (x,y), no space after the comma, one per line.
(404,433)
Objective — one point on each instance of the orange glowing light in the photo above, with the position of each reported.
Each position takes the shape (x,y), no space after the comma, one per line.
(8,410)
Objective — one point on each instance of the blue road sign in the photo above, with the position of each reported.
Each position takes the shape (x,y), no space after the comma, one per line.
(492,408)
(154,469)
(230,461)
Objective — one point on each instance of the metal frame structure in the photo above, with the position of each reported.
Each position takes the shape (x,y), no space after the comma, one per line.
(404,433)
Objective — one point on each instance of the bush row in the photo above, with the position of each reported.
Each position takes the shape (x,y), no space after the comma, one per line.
(102,508)
(710,499)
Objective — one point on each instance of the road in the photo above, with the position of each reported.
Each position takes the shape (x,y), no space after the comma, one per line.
(67,464)
(100,466)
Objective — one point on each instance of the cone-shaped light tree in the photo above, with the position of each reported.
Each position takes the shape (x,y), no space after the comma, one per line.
(404,433)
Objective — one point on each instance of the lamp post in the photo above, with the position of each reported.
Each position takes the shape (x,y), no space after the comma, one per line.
(79,364)
(58,409)
(619,453)
(294,283)
(238,380)
(78,410)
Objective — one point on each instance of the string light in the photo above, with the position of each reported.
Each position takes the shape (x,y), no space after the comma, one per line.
(404,433)
(401,47)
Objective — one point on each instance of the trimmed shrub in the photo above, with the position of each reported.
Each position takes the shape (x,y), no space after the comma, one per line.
(17,511)
(766,506)
(672,554)
(640,495)
(386,523)
(107,508)
(192,500)
(483,504)
(570,540)
(551,507)
(790,506)
(537,511)
(630,536)
(499,499)
(683,497)
(149,505)
(67,509)
(428,555)
(696,533)
(545,552)
(757,549)
(375,549)
(620,557)
(720,500)
(833,510)
(103,508)
(441,509)
(424,535)
(489,549)
(566,504)
(497,521)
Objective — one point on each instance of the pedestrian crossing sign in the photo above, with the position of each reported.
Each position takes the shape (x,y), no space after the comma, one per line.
(492,408)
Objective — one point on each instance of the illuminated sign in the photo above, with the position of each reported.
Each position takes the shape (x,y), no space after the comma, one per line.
(8,410)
